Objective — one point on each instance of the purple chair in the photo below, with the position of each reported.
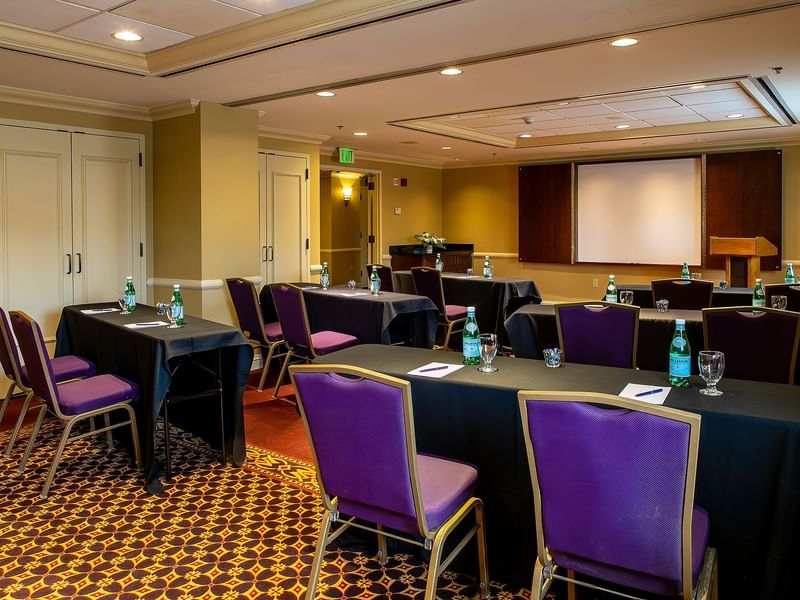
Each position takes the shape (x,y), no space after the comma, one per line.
(428,282)
(598,333)
(614,500)
(361,427)
(385,273)
(688,294)
(759,344)
(300,341)
(73,401)
(791,291)
(64,368)
(267,336)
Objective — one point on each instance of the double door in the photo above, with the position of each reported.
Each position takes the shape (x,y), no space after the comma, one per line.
(70,219)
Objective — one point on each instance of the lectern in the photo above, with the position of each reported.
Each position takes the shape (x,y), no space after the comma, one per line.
(742,257)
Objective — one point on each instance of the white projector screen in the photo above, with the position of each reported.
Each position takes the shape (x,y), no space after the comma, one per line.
(646,212)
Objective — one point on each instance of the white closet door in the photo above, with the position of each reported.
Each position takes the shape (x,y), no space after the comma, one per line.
(106,216)
(35,223)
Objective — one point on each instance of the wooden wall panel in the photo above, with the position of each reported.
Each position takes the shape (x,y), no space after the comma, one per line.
(743,199)
(545,213)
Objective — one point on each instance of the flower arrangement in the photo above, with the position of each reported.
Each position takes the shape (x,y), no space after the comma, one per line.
(430,239)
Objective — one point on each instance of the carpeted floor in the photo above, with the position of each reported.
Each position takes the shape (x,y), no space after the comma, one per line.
(220,532)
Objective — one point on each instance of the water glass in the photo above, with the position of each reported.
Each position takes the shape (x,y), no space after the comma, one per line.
(470,272)
(712,365)
(172,316)
(662,305)
(123,304)
(488,343)
(696,275)
(552,357)
(626,296)
(778,301)
(723,285)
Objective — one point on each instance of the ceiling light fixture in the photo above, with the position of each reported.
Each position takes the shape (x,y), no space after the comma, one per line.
(360,133)
(127,36)
(735,116)
(624,42)
(623,126)
(524,136)
(447,147)
(326,94)
(698,86)
(450,71)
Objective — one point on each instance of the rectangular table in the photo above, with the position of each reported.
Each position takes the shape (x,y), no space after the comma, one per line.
(146,356)
(732,296)
(748,476)
(533,327)
(489,296)
(389,317)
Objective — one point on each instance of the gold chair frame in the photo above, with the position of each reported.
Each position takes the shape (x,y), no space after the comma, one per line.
(601,304)
(546,571)
(433,539)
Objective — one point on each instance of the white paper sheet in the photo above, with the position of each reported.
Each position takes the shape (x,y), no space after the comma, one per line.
(145,324)
(652,394)
(99,311)
(436,370)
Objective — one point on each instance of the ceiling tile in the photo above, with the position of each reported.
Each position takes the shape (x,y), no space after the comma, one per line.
(643,103)
(738,106)
(573,130)
(99,29)
(693,118)
(746,114)
(266,7)
(195,17)
(49,15)
(511,128)
(99,4)
(630,124)
(583,111)
(536,115)
(662,113)
(708,96)
(614,119)
(555,124)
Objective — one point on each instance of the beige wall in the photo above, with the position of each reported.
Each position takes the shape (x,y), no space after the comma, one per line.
(791,204)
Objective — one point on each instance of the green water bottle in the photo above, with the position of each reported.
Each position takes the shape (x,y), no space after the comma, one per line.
(611,289)
(488,271)
(374,281)
(759,297)
(470,337)
(789,276)
(439,264)
(176,304)
(130,295)
(680,356)
(325,277)
(685,274)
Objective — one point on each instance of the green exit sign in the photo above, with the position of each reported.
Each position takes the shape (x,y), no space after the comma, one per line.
(347,156)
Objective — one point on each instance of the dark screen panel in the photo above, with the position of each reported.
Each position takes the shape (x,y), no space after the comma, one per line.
(545,213)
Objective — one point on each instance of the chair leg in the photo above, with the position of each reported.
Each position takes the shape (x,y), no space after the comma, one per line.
(167,452)
(316,565)
(571,595)
(34,433)
(223,449)
(7,400)
(20,419)
(109,437)
(447,336)
(137,454)
(538,587)
(383,553)
(266,360)
(59,451)
(282,373)
(483,563)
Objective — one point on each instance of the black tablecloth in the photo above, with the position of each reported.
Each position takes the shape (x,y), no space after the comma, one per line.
(489,296)
(733,296)
(147,357)
(387,318)
(748,474)
(533,327)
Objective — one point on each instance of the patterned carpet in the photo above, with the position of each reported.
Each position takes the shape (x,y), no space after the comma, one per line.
(220,532)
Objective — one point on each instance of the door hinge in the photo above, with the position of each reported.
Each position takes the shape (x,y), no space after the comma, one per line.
(140,159)
(306,174)
(141,249)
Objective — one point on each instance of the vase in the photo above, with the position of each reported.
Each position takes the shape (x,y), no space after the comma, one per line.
(428,248)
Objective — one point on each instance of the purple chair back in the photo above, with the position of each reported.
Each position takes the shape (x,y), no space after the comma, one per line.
(359,425)
(683,294)
(759,344)
(791,291)
(385,273)
(37,362)
(248,309)
(620,491)
(598,333)
(428,282)
(291,308)
(9,356)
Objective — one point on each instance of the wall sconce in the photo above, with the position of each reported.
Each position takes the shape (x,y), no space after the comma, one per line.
(347,194)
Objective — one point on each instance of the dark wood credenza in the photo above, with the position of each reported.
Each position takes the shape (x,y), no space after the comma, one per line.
(457,258)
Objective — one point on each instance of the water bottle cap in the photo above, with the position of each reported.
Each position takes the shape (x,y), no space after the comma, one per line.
(680,323)
(612,277)
(130,277)
(324,263)
(758,279)
(470,309)
(176,286)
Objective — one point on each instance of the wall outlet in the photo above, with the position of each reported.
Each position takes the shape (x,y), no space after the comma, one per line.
(594,283)
(397,211)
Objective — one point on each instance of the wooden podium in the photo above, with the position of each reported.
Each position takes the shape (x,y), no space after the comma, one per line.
(742,257)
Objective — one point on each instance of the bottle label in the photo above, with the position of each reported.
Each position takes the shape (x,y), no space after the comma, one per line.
(177,312)
(679,343)
(759,302)
(375,285)
(611,297)
(324,280)
(487,271)
(471,347)
(679,364)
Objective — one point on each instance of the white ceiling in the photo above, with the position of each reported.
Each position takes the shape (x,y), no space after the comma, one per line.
(521,60)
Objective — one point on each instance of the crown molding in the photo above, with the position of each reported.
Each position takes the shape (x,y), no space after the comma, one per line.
(73,103)
(176,109)
(394,159)
(45,43)
(290,135)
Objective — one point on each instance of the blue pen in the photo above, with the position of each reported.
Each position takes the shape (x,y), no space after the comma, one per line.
(433,369)
(649,392)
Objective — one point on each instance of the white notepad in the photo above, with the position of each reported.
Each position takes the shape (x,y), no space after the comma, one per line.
(652,394)
(98,311)
(435,370)
(145,325)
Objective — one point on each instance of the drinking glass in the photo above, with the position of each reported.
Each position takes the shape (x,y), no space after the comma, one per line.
(696,275)
(626,296)
(123,304)
(778,301)
(488,343)
(470,272)
(662,305)
(172,317)
(162,308)
(712,365)
(552,357)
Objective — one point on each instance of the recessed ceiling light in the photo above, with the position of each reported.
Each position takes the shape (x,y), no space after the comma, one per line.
(360,133)
(563,103)
(624,42)
(524,136)
(447,147)
(735,116)
(623,126)
(451,71)
(127,36)
(698,86)
(325,94)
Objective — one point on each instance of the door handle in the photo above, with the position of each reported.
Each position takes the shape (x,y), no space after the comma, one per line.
(80,263)
(69,264)
(263,254)
(271,253)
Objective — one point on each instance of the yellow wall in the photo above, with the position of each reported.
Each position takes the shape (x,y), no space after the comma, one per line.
(791,204)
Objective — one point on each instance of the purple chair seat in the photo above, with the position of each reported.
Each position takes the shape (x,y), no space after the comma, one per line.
(455,311)
(90,394)
(64,368)
(273,331)
(326,342)
(637,579)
